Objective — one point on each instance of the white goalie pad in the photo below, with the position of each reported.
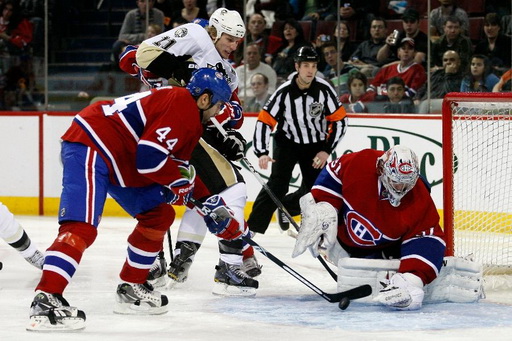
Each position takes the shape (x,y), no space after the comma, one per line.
(460,280)
(319,223)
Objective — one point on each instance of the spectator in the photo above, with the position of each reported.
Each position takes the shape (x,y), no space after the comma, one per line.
(320,10)
(292,39)
(480,77)
(153,30)
(33,10)
(505,82)
(365,55)
(496,46)
(257,33)
(189,12)
(357,96)
(253,65)
(341,36)
(411,29)
(452,39)
(506,25)
(273,10)
(397,102)
(15,31)
(133,29)
(362,12)
(443,81)
(259,86)
(412,73)
(337,71)
(438,16)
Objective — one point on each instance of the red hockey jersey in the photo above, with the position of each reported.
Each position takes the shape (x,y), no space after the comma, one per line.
(142,137)
(367,222)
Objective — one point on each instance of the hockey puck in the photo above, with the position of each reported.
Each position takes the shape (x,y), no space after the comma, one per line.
(344,303)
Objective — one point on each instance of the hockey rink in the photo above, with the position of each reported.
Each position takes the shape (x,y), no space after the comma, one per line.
(283,309)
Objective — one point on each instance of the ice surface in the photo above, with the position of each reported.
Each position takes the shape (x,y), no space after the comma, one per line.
(283,309)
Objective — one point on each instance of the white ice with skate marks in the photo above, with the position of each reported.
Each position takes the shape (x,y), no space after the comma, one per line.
(283,308)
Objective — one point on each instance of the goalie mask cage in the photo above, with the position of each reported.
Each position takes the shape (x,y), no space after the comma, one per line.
(477,179)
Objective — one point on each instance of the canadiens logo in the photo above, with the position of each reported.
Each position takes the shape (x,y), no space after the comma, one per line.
(315,109)
(362,231)
(405,168)
(180,32)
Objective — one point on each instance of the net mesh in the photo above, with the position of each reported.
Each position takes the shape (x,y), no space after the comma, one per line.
(482,183)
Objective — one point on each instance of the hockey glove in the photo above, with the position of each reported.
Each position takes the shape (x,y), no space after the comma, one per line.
(220,220)
(233,145)
(183,188)
(403,292)
(147,77)
(231,115)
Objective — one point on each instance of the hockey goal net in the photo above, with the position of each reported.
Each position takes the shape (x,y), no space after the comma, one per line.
(477,178)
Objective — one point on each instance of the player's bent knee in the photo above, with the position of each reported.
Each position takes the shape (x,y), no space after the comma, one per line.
(77,234)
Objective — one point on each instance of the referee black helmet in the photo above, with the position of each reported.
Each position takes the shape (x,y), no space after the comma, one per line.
(306,54)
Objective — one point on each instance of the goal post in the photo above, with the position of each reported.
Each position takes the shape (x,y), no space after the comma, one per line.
(477,178)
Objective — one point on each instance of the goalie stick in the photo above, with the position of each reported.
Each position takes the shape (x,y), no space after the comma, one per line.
(343,297)
(278,203)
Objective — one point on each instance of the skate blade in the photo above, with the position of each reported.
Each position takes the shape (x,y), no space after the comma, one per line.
(222,289)
(143,309)
(43,324)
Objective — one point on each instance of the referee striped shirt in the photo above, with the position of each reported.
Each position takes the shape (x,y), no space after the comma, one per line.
(304,116)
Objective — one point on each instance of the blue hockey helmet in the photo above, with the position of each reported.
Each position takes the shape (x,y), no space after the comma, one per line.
(201,22)
(211,81)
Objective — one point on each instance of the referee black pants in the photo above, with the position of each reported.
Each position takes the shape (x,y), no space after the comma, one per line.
(286,155)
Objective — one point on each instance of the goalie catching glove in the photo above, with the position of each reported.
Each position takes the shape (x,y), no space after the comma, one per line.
(183,188)
(403,292)
(220,219)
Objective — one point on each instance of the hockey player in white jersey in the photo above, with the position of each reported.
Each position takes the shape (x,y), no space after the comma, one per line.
(14,235)
(171,57)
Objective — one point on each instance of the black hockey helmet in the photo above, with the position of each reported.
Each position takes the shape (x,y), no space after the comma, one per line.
(306,54)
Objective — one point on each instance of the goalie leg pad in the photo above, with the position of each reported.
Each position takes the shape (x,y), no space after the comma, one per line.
(460,280)
(319,223)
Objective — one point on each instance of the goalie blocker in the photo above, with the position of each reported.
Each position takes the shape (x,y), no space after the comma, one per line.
(460,280)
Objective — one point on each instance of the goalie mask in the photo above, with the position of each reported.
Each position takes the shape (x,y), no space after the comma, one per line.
(398,173)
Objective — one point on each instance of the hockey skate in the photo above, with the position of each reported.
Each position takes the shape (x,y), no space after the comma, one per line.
(37,259)
(178,269)
(157,274)
(231,280)
(251,266)
(139,299)
(51,312)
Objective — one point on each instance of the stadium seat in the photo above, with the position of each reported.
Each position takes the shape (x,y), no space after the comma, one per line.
(476,28)
(395,24)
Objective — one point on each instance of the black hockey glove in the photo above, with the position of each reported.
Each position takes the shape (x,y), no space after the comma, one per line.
(233,146)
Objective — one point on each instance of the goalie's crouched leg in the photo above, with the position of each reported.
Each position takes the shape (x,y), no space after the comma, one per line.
(459,280)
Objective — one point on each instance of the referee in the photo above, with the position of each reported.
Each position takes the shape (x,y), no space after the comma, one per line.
(310,122)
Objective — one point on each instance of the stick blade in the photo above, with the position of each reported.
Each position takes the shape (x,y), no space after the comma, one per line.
(352,294)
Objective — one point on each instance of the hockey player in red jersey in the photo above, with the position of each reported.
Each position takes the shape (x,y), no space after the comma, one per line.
(369,204)
(137,149)
(170,57)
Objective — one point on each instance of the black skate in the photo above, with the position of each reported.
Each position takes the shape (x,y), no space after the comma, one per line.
(178,269)
(157,274)
(231,280)
(251,266)
(139,299)
(51,312)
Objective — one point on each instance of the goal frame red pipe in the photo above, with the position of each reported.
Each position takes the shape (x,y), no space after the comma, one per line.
(447,124)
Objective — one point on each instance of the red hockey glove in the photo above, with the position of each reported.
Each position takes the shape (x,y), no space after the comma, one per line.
(221,220)
(183,188)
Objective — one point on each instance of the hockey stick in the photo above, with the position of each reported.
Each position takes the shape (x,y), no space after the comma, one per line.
(343,298)
(278,203)
(169,241)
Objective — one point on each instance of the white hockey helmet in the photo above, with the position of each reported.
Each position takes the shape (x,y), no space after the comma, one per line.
(398,172)
(229,22)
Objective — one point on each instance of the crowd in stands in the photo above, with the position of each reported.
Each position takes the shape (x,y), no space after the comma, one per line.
(363,42)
